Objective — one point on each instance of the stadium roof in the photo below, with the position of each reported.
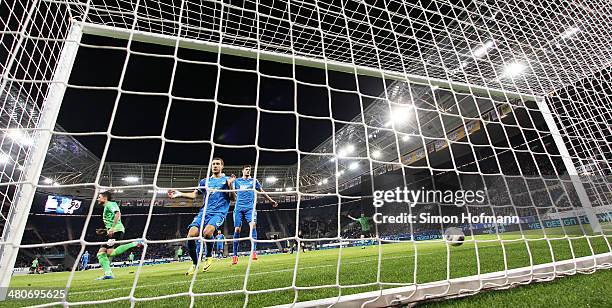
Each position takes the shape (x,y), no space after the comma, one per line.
(69,162)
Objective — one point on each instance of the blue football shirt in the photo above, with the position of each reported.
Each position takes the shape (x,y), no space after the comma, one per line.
(218,201)
(246,198)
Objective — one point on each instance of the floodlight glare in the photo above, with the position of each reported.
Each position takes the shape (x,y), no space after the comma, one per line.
(513,69)
(570,32)
(130,179)
(4,159)
(484,49)
(401,115)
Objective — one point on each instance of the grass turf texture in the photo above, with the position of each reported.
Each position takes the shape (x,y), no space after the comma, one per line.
(358,267)
(573,291)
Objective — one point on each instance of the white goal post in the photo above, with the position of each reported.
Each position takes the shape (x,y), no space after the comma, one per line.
(17,217)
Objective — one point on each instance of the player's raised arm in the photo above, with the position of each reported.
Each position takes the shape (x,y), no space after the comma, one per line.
(351,217)
(274,203)
(260,189)
(172,194)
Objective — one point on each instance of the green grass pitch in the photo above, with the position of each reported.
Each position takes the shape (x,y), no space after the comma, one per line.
(358,267)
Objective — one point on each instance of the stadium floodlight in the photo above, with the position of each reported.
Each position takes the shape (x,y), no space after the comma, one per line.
(354,165)
(376,154)
(48,181)
(21,138)
(339,173)
(570,32)
(347,150)
(513,69)
(289,189)
(4,159)
(400,115)
(56,184)
(484,49)
(405,137)
(320,183)
(324,181)
(15,134)
(130,179)
(271,179)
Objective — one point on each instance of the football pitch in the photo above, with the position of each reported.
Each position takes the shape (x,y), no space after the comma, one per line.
(275,274)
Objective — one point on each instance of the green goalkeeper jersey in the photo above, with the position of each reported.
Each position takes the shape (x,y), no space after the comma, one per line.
(108,216)
(365,225)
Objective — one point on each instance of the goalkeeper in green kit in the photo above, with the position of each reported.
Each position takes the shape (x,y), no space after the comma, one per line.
(113,230)
(364,223)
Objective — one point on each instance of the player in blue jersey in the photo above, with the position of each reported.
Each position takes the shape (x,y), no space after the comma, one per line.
(245,207)
(213,211)
(84,260)
(220,243)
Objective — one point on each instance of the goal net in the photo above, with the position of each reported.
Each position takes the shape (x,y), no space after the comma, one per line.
(416,150)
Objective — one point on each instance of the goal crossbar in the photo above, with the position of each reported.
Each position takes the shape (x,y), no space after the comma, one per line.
(169,40)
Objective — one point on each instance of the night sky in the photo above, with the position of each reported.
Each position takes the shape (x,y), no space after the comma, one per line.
(89,110)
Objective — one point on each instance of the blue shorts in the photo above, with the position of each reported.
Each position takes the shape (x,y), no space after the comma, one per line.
(214,219)
(250,215)
(219,247)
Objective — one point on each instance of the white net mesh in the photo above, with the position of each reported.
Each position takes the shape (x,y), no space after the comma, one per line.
(330,102)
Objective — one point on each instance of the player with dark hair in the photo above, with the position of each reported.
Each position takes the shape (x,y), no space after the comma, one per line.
(113,230)
(34,266)
(245,207)
(212,214)
(364,223)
